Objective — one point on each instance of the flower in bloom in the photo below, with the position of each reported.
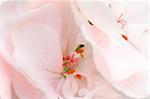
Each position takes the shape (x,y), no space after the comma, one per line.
(66,50)
(45,56)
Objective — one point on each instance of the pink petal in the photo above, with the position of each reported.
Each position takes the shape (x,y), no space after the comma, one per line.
(37,47)
(37,3)
(137,85)
(23,88)
(133,12)
(5,81)
(70,87)
(70,29)
(100,15)
(96,84)
(138,37)
(114,57)
(35,50)
(102,88)
(26,45)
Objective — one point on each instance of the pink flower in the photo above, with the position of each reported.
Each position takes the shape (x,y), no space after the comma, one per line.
(43,54)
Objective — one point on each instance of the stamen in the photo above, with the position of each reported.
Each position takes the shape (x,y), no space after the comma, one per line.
(71,61)
(66,69)
(65,76)
(80,50)
(70,71)
(80,46)
(78,76)
(123,22)
(90,23)
(125,37)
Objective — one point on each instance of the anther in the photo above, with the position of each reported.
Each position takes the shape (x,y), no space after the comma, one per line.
(90,22)
(125,37)
(80,51)
(78,76)
(70,71)
(80,46)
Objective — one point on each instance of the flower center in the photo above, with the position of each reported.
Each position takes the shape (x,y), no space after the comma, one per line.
(71,61)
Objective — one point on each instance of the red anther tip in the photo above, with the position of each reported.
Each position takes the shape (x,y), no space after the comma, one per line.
(78,76)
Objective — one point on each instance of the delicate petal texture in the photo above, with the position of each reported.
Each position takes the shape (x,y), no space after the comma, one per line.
(136,15)
(23,89)
(97,12)
(138,37)
(38,55)
(122,65)
(41,54)
(5,81)
(134,12)
(118,61)
(36,35)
